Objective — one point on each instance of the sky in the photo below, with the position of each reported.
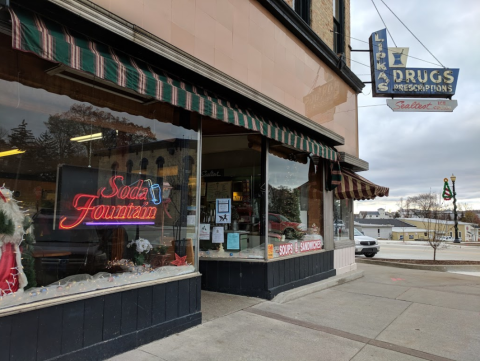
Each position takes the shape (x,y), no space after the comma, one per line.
(411,153)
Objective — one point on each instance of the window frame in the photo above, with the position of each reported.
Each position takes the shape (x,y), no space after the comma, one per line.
(338,26)
(303,9)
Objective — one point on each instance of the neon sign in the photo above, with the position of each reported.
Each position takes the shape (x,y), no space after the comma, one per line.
(117,214)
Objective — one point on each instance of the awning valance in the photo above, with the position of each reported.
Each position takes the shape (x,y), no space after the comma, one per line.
(54,42)
(353,186)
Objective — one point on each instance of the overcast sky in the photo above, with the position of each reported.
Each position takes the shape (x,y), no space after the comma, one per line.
(412,153)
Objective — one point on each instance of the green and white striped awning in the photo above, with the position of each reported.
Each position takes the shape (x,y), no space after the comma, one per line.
(55,42)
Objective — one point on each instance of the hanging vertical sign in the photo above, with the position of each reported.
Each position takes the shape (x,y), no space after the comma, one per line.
(391,77)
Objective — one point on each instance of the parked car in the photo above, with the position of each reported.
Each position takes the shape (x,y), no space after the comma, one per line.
(365,245)
(281,224)
(339,227)
(446,239)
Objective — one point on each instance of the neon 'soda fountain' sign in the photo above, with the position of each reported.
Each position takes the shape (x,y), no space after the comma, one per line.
(117,214)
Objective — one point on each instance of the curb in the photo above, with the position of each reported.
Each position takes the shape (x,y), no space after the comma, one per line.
(439,268)
(317,286)
(425,243)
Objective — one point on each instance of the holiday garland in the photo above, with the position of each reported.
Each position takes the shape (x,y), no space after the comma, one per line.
(447,193)
(28,261)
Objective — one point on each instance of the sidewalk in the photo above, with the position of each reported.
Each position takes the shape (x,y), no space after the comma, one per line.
(389,314)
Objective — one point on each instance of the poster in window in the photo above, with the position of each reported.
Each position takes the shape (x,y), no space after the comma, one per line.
(218,235)
(223,211)
(217,190)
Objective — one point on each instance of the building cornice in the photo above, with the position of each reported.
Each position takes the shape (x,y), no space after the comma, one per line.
(293,22)
(109,21)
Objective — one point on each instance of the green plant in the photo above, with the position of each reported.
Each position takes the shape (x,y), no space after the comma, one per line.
(162,250)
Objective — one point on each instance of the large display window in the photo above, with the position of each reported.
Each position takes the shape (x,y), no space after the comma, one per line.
(92,197)
(230,218)
(295,202)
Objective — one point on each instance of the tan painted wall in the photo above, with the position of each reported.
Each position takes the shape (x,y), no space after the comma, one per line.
(243,40)
(416,235)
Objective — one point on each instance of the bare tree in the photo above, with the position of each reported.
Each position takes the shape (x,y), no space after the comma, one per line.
(436,224)
(424,204)
(401,207)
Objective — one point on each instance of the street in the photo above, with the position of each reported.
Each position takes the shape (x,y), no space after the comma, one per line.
(424,251)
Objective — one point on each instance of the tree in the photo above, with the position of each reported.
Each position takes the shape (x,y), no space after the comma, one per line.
(436,224)
(470,217)
(404,207)
(285,201)
(62,130)
(46,146)
(21,137)
(3,137)
(425,204)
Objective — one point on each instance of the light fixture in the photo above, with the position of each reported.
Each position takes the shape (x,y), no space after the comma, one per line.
(118,223)
(453,178)
(88,138)
(11,152)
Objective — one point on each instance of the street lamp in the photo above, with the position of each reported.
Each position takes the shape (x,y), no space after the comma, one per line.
(456,240)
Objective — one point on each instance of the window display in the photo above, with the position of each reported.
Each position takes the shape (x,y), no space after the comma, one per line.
(92,198)
(295,202)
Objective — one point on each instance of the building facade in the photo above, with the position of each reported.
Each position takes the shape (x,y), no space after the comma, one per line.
(152,149)
(467,232)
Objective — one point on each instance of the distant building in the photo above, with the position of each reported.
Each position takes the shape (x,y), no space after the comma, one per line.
(380,228)
(379,214)
(467,232)
(409,234)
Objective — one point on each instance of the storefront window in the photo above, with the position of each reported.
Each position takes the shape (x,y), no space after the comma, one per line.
(231,197)
(295,202)
(92,197)
(342,215)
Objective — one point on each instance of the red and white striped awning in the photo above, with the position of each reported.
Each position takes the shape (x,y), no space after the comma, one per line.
(356,187)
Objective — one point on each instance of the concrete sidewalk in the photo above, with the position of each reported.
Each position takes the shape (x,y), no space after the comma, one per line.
(389,314)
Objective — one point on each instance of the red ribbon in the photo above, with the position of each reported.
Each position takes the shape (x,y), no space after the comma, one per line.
(3,197)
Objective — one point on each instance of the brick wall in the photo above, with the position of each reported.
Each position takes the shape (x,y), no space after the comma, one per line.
(322,22)
(347,31)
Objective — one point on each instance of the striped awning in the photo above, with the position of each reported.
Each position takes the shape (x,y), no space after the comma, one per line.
(353,186)
(55,42)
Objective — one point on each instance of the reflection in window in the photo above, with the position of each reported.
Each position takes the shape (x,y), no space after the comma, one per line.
(295,202)
(109,199)
(342,211)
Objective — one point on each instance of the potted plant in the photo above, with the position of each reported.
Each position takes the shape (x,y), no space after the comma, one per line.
(159,256)
(141,249)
